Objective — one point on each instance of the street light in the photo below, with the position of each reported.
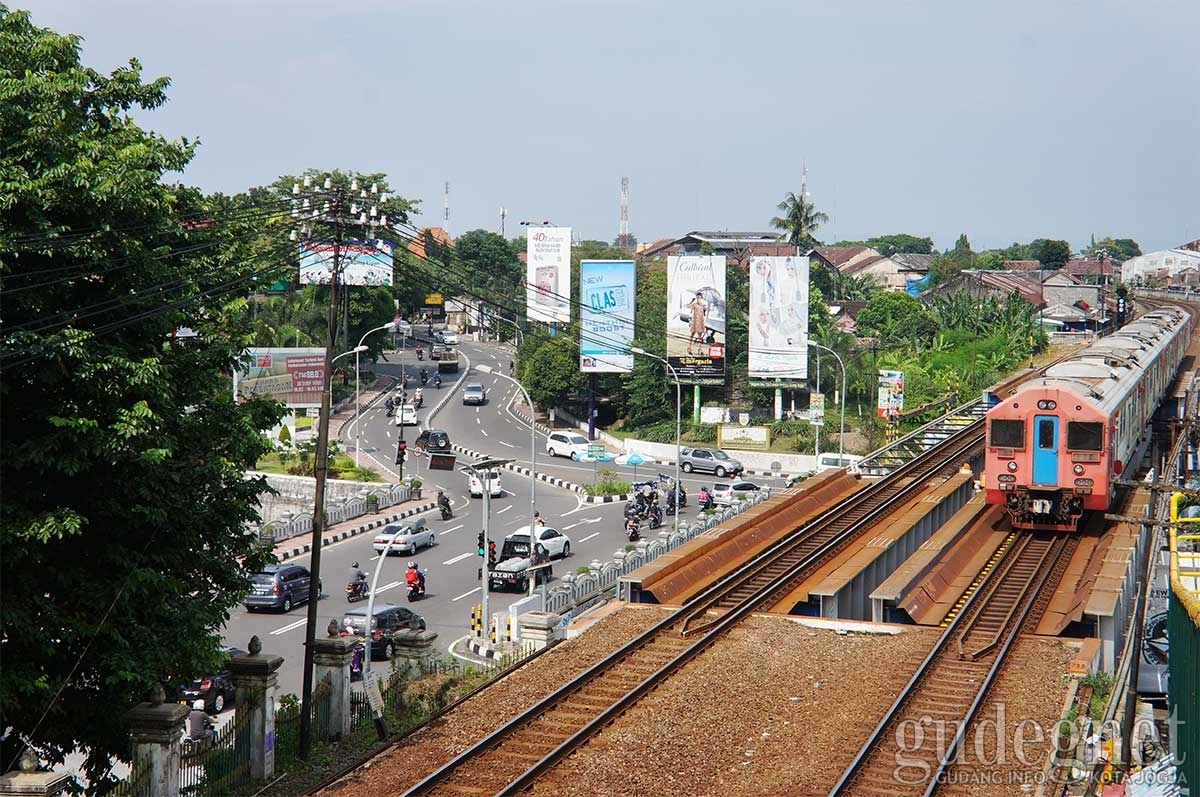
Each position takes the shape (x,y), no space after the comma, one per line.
(357,389)
(482,471)
(487,369)
(842,432)
(678,404)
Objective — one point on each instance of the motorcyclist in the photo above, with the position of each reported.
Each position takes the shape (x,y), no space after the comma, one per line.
(414,577)
(418,398)
(443,501)
(704,498)
(437,380)
(631,527)
(358,576)
(424,376)
(199,724)
(420,353)
(390,405)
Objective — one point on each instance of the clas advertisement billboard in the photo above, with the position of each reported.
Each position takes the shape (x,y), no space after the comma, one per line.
(696,317)
(607,300)
(360,262)
(548,274)
(779,320)
(294,377)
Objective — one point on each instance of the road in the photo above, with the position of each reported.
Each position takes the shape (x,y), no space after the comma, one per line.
(452,564)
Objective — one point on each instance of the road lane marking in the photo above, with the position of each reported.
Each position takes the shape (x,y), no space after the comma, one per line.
(510,445)
(459,558)
(452,528)
(289,627)
(386,587)
(505,509)
(590,536)
(465,595)
(581,523)
(485,434)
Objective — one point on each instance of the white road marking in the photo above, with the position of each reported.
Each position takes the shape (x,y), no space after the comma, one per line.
(582,507)
(581,523)
(501,442)
(465,595)
(505,509)
(289,627)
(387,587)
(459,558)
(485,434)
(452,528)
(590,536)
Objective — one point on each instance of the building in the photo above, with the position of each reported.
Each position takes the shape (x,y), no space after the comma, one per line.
(1161,269)
(738,247)
(894,273)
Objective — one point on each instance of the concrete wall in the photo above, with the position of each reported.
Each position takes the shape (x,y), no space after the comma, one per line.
(296,494)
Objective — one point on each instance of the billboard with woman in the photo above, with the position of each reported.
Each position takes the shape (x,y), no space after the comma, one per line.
(779,319)
(696,317)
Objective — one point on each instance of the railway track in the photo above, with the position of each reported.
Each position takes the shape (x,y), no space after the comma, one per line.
(918,738)
(516,754)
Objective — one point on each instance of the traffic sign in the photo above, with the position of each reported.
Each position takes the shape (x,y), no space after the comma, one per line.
(595,450)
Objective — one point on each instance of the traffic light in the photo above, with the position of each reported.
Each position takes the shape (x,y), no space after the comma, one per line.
(401,452)
(479,543)
(491,552)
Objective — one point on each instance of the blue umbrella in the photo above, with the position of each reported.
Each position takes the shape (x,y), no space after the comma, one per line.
(633,458)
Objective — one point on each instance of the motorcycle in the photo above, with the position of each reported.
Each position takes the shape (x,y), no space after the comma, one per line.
(632,531)
(418,400)
(416,590)
(706,502)
(447,512)
(437,380)
(420,353)
(357,590)
(655,516)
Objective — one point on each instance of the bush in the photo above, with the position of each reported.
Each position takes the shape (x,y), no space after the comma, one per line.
(606,484)
(285,436)
(701,433)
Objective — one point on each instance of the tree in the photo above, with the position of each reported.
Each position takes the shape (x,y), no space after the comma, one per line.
(895,316)
(888,245)
(488,266)
(125,496)
(800,220)
(551,372)
(1051,254)
(1115,248)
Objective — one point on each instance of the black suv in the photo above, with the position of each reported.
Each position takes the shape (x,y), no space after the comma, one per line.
(278,587)
(217,691)
(388,621)
(434,440)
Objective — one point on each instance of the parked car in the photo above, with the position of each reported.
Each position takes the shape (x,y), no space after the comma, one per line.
(709,460)
(388,621)
(566,444)
(217,691)
(406,415)
(405,537)
(831,459)
(434,440)
(474,393)
(729,493)
(475,484)
(278,587)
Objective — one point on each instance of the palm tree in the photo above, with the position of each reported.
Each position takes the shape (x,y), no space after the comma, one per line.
(800,221)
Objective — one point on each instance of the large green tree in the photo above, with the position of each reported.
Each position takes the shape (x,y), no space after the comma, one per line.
(1115,248)
(888,245)
(125,498)
(800,220)
(1051,253)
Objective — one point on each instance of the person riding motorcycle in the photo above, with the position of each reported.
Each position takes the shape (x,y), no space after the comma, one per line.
(443,502)
(413,577)
(418,398)
(704,497)
(358,578)
(631,528)
(199,724)
(437,380)
(420,353)
(424,376)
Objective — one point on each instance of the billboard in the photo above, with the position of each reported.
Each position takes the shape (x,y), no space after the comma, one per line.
(779,319)
(548,274)
(295,377)
(751,438)
(361,262)
(607,298)
(891,394)
(696,317)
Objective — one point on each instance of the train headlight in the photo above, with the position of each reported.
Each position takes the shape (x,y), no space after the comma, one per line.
(1078,470)
(1012,465)
(1047,404)
(1005,478)
(1084,482)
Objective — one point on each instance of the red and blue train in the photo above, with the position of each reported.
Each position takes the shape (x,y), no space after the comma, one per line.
(1056,447)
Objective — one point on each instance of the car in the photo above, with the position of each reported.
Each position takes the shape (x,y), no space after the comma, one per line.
(729,493)
(474,393)
(217,691)
(388,621)
(566,444)
(434,440)
(832,459)
(709,460)
(437,351)
(475,484)
(278,587)
(557,544)
(404,537)
(446,337)
(406,415)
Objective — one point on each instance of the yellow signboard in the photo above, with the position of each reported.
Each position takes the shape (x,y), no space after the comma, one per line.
(434,298)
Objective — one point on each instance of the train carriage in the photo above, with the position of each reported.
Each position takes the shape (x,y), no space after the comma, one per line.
(1056,447)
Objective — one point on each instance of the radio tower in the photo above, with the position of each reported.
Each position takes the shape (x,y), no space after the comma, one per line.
(446,208)
(804,182)
(623,230)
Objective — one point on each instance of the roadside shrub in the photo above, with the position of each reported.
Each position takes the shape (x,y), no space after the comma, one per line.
(606,483)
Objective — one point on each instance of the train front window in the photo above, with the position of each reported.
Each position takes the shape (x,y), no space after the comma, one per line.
(1045,431)
(1083,436)
(1007,434)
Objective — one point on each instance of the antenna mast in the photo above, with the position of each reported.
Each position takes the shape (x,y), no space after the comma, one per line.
(623,228)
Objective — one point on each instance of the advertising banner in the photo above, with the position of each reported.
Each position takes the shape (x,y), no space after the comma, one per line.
(779,320)
(607,299)
(295,377)
(362,262)
(548,274)
(816,409)
(752,438)
(696,317)
(891,394)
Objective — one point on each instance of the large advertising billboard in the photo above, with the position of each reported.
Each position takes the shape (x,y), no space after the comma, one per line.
(292,376)
(779,319)
(696,317)
(548,274)
(607,299)
(361,262)
(891,394)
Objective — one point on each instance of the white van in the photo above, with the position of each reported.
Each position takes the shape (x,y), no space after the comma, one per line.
(831,460)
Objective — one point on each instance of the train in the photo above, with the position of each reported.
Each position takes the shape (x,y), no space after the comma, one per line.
(1057,446)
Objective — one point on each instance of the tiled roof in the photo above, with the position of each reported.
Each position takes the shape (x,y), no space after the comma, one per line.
(837,255)
(857,266)
(912,262)
(1022,265)
(1085,267)
(417,244)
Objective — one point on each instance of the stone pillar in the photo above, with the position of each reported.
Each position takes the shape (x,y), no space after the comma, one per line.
(29,781)
(156,729)
(255,675)
(415,648)
(540,628)
(332,656)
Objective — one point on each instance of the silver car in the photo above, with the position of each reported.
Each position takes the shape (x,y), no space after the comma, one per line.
(404,537)
(709,460)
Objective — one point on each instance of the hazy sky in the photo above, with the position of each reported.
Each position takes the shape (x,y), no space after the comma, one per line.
(1008,121)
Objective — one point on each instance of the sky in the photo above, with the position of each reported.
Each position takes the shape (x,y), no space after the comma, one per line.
(1006,121)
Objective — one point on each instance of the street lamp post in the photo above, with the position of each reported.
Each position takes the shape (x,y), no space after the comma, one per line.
(358,389)
(842,431)
(482,471)
(487,369)
(678,424)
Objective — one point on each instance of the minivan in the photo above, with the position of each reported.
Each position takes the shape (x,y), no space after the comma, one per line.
(434,440)
(566,444)
(831,459)
(388,621)
(278,587)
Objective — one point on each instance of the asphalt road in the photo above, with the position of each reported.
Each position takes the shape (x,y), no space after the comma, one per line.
(453,589)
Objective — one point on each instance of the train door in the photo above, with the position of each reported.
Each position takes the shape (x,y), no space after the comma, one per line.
(1045,449)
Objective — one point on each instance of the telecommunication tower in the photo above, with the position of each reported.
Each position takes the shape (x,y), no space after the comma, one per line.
(623,229)
(446,208)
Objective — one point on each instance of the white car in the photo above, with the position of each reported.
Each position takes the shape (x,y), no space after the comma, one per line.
(447,337)
(406,415)
(557,544)
(475,484)
(728,493)
(405,537)
(566,444)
